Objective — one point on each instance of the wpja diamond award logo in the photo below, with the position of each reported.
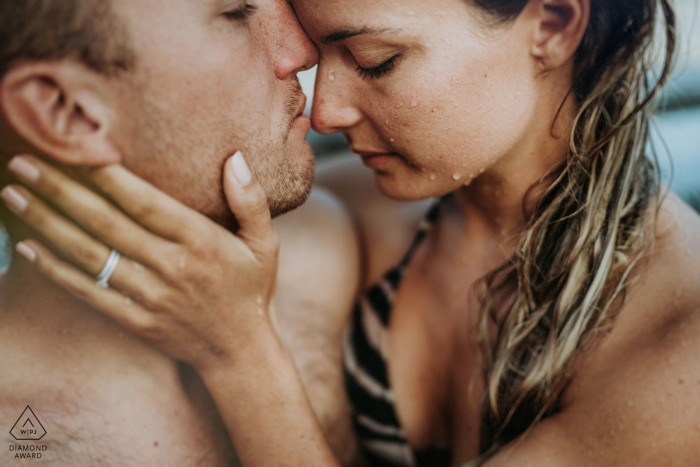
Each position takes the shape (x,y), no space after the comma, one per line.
(28,428)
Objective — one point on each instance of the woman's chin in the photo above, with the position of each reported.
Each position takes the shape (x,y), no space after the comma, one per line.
(408,188)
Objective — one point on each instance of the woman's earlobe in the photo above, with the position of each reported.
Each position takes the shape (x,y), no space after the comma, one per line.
(53,108)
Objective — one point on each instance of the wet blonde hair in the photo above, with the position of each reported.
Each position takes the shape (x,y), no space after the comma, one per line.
(588,230)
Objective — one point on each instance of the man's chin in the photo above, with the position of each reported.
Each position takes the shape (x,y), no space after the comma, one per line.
(290,192)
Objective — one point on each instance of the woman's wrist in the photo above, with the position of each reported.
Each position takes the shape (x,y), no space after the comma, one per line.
(243,352)
(260,393)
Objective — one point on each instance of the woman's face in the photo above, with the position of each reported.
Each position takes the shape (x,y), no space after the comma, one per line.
(425,91)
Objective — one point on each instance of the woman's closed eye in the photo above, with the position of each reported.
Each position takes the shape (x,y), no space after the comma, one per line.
(377,71)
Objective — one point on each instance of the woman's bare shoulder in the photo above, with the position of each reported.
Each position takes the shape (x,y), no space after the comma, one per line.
(641,381)
(386,226)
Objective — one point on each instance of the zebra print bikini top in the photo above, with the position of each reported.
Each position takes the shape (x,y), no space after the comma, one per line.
(382,440)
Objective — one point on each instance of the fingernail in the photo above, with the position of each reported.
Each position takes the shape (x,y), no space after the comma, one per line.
(25,251)
(14,200)
(240,169)
(25,170)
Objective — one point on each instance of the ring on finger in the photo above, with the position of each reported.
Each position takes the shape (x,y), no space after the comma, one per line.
(108,269)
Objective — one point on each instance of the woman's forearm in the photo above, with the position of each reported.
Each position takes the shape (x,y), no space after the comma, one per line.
(264,406)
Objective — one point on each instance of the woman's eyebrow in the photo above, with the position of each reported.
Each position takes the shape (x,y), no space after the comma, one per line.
(343,34)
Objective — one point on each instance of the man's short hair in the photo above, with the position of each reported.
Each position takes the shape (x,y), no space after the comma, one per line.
(50,30)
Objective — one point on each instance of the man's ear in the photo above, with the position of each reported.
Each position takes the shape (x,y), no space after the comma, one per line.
(59,108)
(559,30)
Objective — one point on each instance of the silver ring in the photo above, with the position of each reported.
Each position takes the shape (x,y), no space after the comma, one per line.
(109,268)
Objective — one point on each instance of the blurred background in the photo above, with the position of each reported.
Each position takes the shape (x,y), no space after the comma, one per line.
(675,128)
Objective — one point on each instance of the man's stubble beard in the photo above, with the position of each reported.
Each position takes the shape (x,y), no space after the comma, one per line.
(286,179)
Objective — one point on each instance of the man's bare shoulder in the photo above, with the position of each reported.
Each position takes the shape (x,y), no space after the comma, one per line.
(319,251)
(385,226)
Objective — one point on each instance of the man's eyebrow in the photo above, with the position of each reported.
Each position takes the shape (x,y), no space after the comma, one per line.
(343,34)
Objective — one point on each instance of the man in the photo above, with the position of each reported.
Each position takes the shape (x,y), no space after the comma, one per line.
(170,89)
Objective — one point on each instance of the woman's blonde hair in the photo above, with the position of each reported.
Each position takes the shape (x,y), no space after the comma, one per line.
(587,231)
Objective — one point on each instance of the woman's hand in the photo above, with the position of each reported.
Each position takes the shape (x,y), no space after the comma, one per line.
(184,284)
(187,286)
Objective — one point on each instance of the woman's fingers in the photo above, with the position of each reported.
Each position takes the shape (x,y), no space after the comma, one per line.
(73,243)
(89,210)
(147,205)
(248,203)
(154,210)
(109,301)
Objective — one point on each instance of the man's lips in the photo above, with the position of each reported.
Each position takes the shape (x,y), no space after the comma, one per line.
(302,106)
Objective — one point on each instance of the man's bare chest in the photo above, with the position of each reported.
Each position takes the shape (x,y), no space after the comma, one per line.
(131,420)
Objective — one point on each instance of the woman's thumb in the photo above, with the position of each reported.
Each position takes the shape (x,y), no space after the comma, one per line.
(248,202)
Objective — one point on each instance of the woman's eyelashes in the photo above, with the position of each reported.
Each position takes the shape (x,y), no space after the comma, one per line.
(241,13)
(376,71)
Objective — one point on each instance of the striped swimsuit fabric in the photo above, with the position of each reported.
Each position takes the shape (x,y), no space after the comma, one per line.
(382,440)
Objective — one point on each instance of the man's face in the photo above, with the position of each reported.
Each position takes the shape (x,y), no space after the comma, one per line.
(213,77)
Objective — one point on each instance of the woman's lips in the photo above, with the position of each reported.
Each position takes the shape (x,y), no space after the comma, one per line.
(377,161)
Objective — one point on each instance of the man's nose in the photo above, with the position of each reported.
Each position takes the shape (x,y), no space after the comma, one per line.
(333,109)
(295,51)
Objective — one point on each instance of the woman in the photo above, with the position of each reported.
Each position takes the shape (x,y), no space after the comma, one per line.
(544,313)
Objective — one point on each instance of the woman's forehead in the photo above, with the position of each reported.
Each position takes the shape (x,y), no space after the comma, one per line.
(328,18)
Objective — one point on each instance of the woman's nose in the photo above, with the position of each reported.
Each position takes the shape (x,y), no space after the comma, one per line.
(333,109)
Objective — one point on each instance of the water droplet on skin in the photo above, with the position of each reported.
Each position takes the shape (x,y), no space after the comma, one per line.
(414,104)
(471,175)
(481,171)
(391,139)
(331,76)
(457,176)
(433,177)
(386,122)
(398,106)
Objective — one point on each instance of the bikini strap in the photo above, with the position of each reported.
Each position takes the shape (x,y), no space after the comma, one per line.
(424,228)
